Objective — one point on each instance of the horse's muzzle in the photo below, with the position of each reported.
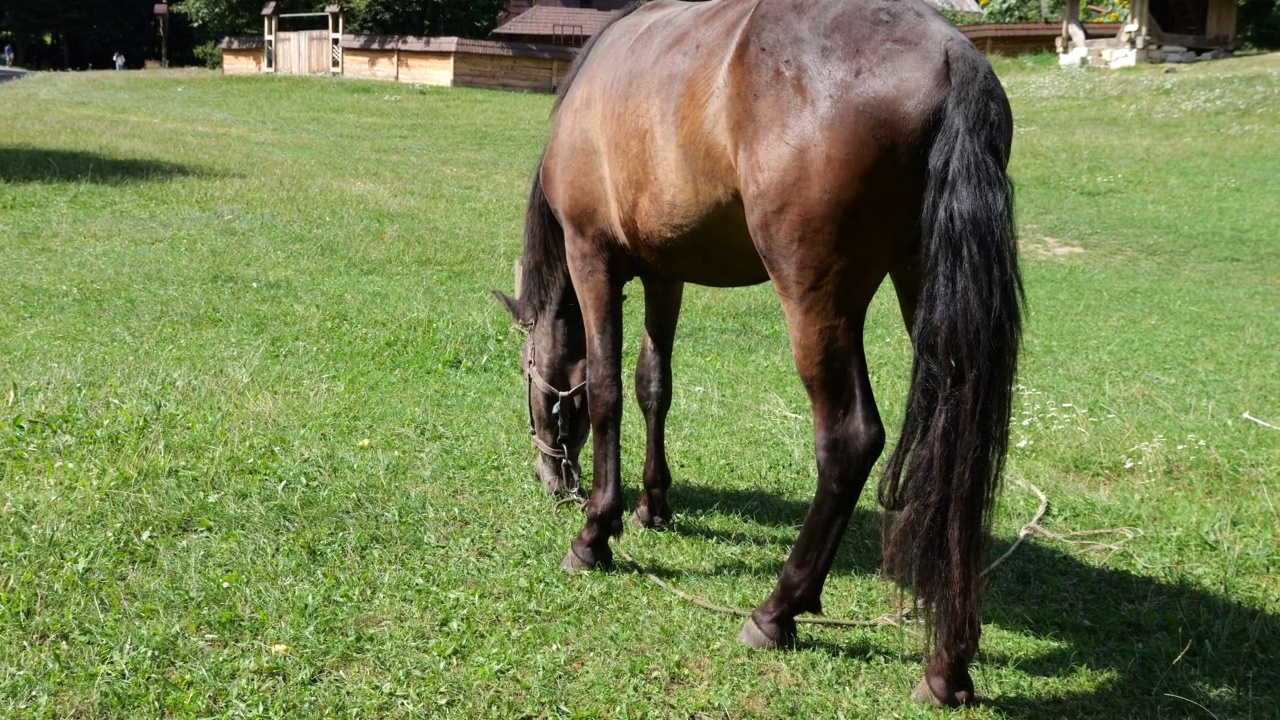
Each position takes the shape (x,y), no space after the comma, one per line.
(558,477)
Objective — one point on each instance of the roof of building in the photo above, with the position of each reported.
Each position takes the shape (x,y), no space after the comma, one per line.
(550,20)
(250,42)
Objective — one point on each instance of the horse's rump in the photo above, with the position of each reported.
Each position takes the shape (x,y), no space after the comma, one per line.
(742,106)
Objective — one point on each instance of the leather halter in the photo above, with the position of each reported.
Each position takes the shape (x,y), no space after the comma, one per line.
(561,453)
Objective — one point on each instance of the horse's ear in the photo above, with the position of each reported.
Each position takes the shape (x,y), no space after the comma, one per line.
(513,307)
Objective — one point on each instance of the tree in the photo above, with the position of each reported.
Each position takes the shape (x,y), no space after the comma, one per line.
(217,19)
(78,34)
(1259,23)
(465,18)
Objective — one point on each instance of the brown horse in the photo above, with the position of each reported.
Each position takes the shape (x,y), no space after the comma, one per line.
(821,145)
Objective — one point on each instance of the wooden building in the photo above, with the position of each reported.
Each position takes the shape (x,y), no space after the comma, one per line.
(242,55)
(1156,31)
(456,62)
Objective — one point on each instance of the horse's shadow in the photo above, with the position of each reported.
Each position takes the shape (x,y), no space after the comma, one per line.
(1158,648)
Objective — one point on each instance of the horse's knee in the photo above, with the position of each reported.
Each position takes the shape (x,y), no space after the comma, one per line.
(859,436)
(867,438)
(850,448)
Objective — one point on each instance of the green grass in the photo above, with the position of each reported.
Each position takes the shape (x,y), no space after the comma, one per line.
(214,290)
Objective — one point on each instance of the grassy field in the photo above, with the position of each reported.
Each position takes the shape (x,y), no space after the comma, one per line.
(263,448)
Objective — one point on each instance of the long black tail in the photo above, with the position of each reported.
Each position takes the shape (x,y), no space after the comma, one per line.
(942,476)
(543,270)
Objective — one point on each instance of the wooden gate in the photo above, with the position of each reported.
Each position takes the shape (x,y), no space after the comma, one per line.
(306,52)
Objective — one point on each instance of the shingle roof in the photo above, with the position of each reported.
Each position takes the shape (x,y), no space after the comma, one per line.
(550,20)
(251,42)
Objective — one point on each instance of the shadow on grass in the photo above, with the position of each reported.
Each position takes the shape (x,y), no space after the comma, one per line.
(1167,645)
(859,552)
(35,165)
(1160,648)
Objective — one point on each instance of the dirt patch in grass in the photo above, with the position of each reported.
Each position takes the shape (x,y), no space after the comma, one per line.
(1049,247)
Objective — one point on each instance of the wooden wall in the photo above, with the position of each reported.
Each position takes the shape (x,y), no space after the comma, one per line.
(1026,38)
(508,73)
(428,68)
(369,64)
(444,69)
(242,62)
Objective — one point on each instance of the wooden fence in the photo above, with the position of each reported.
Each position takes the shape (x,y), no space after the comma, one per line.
(503,65)
(303,53)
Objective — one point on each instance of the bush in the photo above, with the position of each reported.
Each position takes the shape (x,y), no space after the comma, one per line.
(209,55)
(1008,11)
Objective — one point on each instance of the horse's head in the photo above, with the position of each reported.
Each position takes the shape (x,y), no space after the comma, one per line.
(555,372)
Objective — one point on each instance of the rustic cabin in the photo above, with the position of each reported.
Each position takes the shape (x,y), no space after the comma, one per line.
(1156,31)
(456,62)
(242,55)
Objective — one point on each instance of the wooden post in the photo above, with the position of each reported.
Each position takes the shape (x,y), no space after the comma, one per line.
(335,37)
(162,12)
(1070,16)
(269,37)
(1139,14)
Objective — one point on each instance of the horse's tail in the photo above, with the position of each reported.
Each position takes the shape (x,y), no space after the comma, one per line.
(542,271)
(943,474)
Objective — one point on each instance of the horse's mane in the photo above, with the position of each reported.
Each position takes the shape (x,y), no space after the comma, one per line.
(572,73)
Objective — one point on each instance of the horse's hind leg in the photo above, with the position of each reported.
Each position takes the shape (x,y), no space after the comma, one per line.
(825,326)
(653,393)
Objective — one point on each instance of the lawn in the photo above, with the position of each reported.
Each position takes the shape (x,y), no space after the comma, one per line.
(263,449)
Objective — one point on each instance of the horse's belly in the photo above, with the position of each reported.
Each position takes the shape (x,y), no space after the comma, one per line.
(714,250)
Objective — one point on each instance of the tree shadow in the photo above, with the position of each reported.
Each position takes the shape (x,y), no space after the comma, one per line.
(1159,647)
(37,165)
(1168,645)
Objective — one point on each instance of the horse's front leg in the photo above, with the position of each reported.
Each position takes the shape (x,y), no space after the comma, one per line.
(653,393)
(599,289)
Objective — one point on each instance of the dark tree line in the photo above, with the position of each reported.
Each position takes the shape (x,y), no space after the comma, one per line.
(83,34)
(463,18)
(80,34)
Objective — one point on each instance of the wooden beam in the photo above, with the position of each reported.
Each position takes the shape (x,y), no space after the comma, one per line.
(1070,14)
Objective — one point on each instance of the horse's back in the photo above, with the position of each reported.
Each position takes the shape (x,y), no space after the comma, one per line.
(683,116)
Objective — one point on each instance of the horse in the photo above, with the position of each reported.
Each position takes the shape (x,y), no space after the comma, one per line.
(821,146)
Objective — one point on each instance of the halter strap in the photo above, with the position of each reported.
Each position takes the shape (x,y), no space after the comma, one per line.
(561,453)
(548,388)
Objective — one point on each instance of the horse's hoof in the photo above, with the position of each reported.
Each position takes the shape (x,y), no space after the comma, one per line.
(754,637)
(574,562)
(926,695)
(643,520)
